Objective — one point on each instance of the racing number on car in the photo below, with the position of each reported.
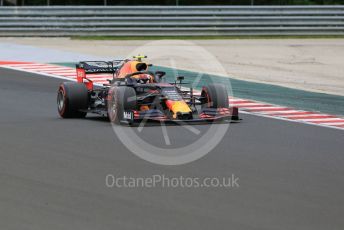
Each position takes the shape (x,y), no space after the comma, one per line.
(128,115)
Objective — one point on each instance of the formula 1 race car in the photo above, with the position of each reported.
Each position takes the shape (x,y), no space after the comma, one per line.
(133,94)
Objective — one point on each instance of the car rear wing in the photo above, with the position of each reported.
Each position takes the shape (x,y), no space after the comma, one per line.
(99,66)
(93,67)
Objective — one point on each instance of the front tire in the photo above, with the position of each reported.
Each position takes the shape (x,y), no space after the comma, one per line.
(214,96)
(121,99)
(71,98)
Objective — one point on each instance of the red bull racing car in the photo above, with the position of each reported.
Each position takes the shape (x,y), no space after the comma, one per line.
(134,93)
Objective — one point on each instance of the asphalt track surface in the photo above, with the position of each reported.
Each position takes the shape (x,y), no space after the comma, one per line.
(52,172)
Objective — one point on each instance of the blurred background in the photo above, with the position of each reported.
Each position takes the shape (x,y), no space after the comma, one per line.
(169,2)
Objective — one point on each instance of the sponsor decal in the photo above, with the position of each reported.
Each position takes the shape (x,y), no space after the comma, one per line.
(128,115)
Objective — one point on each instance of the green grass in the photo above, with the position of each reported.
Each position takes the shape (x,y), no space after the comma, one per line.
(205,37)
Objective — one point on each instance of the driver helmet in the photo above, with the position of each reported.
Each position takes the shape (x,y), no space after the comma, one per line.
(137,66)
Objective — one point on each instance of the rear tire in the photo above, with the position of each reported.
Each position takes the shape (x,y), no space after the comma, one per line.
(71,98)
(215,96)
(121,99)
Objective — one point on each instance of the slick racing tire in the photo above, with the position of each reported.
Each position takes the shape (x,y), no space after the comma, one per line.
(214,96)
(71,98)
(122,99)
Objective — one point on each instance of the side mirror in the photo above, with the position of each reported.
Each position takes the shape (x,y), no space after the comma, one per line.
(160,74)
(180,78)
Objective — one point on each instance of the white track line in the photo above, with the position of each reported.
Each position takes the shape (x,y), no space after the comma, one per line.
(295,121)
(324,120)
(283,112)
(307,115)
(250,105)
(333,123)
(48,69)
